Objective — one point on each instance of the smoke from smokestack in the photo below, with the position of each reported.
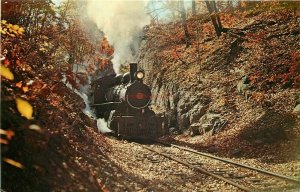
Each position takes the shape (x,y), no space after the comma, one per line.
(122,22)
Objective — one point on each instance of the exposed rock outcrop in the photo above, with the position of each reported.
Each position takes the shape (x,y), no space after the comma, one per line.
(230,82)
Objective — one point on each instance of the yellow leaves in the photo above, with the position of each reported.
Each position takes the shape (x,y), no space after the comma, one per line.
(21,31)
(15,27)
(5,72)
(4,31)
(44,37)
(24,108)
(44,46)
(10,30)
(43,49)
(13,163)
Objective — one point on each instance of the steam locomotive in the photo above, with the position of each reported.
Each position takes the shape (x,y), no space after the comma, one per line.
(124,102)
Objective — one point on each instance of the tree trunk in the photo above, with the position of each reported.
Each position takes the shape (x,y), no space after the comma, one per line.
(212,9)
(217,15)
(230,5)
(194,7)
(184,23)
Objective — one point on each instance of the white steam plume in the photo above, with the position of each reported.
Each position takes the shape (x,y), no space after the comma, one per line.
(122,22)
(102,126)
(83,94)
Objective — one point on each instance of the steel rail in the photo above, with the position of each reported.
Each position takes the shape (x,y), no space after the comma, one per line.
(200,169)
(234,163)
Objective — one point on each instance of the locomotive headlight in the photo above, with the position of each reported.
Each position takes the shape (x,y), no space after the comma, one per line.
(139,75)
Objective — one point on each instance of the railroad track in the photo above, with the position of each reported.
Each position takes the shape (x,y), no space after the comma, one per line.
(244,177)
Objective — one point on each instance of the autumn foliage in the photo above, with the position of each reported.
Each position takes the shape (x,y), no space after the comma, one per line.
(106,52)
(41,46)
(44,47)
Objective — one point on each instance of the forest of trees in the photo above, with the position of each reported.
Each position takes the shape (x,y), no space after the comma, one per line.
(63,38)
(59,40)
(42,43)
(41,38)
(54,39)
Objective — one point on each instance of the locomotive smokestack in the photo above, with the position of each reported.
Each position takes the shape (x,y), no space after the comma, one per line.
(133,69)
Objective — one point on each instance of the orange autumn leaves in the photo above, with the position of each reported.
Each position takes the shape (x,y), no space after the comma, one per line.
(8,133)
(23,87)
(102,59)
(106,51)
(13,162)
(106,48)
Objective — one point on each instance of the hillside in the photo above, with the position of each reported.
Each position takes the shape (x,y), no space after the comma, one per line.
(235,94)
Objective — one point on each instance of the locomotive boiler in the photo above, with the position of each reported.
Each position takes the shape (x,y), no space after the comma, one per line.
(124,102)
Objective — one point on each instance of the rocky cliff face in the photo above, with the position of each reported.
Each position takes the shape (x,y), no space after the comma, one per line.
(181,90)
(232,81)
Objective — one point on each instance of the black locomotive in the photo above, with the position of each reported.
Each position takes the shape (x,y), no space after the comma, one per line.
(123,101)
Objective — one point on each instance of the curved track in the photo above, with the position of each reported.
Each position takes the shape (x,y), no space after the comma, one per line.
(234,163)
(244,177)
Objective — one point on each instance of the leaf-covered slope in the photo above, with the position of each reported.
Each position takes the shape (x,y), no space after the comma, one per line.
(60,149)
(249,76)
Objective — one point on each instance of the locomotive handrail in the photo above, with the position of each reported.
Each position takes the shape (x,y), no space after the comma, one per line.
(106,103)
